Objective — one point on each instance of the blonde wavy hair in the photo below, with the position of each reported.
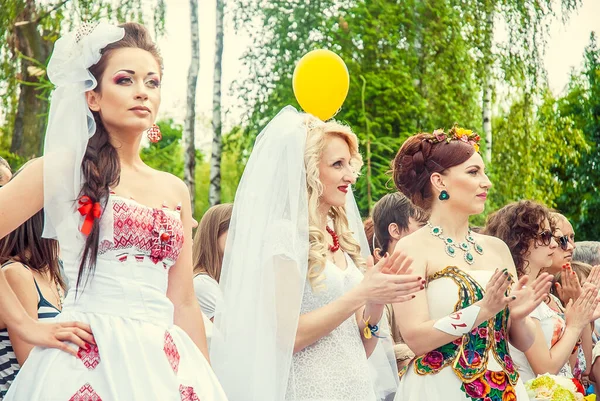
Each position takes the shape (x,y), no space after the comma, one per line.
(317,136)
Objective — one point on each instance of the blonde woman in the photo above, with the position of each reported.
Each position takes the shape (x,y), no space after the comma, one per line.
(299,319)
(207,254)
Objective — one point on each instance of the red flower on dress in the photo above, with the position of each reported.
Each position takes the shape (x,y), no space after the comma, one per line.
(483,332)
(90,356)
(508,362)
(171,352)
(187,393)
(86,393)
(473,359)
(433,359)
(496,380)
(477,388)
(498,336)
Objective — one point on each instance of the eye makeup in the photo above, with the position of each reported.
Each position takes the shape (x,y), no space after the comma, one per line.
(121,76)
(124,75)
(155,80)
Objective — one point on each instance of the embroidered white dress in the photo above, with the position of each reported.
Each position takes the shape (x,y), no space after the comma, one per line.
(335,368)
(475,367)
(140,353)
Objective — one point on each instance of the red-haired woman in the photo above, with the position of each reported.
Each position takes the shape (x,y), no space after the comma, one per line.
(459,326)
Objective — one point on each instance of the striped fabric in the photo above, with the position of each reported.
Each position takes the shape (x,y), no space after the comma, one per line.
(9,366)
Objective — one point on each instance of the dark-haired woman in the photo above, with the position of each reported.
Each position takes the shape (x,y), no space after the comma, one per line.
(30,264)
(527,228)
(124,231)
(459,326)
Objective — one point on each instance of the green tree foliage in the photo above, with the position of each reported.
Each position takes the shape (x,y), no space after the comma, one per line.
(580,199)
(530,142)
(235,155)
(166,154)
(419,65)
(28,30)
(409,63)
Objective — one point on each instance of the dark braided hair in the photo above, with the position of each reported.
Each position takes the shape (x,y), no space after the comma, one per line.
(418,159)
(100,167)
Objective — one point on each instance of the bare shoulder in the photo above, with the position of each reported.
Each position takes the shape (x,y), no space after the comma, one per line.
(497,251)
(493,243)
(17,273)
(414,244)
(172,183)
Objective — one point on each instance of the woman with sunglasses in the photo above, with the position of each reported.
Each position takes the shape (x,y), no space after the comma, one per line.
(568,287)
(527,228)
(565,237)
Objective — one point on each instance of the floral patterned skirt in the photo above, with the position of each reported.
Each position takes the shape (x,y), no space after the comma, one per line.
(445,385)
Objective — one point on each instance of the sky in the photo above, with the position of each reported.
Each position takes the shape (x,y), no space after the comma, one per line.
(563,53)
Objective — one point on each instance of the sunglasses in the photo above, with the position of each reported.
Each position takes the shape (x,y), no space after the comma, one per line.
(545,237)
(563,242)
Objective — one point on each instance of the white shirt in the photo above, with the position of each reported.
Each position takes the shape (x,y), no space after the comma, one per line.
(208,294)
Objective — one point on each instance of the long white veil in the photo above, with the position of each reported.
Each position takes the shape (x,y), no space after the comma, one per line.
(265,268)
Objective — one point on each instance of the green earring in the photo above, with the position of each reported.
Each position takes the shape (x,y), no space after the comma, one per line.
(444,195)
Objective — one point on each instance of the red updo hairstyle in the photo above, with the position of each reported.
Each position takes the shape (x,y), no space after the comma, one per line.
(418,158)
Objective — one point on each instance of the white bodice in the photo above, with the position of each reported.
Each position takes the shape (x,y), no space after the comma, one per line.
(138,246)
(335,367)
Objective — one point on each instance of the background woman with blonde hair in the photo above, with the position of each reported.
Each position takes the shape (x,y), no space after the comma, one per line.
(207,254)
(299,319)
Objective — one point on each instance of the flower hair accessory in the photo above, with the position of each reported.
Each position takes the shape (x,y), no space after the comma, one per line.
(455,134)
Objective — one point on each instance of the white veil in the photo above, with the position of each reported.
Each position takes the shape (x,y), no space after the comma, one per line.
(265,268)
(70,124)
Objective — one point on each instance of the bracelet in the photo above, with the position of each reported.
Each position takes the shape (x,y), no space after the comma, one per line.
(370,330)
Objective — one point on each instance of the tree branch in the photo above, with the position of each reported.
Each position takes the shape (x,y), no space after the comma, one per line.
(44,15)
(56,7)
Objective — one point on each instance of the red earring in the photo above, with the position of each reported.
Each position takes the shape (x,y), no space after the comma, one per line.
(154,134)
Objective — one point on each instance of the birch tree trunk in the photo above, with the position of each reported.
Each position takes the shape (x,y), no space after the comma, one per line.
(190,116)
(488,88)
(214,193)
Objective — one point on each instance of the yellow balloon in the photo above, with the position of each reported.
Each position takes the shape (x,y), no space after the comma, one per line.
(321,83)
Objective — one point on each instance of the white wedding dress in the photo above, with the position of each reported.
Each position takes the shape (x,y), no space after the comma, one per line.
(140,353)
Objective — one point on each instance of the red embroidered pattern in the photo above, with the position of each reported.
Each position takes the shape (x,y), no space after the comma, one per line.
(171,352)
(90,358)
(187,393)
(153,232)
(86,393)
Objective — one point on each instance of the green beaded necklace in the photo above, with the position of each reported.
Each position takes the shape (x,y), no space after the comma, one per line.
(451,246)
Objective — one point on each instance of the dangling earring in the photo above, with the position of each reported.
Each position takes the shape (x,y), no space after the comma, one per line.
(154,134)
(444,195)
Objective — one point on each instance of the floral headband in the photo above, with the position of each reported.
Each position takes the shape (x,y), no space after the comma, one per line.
(455,134)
